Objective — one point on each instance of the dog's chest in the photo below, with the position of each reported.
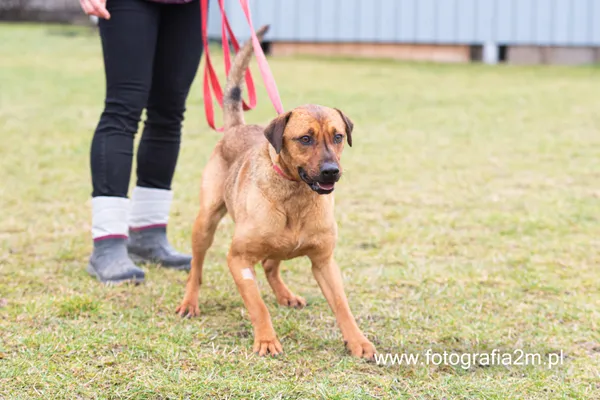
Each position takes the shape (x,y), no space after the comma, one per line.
(285,230)
(298,237)
(290,244)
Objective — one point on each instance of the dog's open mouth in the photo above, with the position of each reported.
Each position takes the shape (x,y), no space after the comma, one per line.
(319,187)
(326,186)
(322,187)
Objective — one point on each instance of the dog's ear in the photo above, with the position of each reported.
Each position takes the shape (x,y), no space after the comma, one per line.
(274,131)
(349,126)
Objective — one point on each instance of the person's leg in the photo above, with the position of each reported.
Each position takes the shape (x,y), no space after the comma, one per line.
(128,44)
(176,61)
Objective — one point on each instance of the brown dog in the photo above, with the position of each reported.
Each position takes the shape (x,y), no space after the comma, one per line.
(276,183)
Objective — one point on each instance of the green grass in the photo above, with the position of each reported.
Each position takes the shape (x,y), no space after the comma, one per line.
(469,219)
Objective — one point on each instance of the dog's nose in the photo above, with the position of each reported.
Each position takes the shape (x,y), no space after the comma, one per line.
(330,171)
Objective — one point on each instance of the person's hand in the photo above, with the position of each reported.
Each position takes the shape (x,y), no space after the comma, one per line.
(95,7)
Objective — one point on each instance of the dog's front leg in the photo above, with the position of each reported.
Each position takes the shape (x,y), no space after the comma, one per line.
(329,278)
(265,339)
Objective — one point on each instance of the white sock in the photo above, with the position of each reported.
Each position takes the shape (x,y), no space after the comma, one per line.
(109,217)
(149,207)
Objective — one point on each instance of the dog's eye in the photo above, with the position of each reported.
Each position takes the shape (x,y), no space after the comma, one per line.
(337,138)
(306,139)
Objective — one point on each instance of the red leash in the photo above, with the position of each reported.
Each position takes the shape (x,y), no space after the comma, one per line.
(263,65)
(210,77)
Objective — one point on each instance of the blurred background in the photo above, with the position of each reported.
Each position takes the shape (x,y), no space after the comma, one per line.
(490,31)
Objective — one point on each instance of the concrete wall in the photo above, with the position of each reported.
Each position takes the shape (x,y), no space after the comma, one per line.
(562,55)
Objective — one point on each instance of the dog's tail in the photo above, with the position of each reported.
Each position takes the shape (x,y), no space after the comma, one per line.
(232,98)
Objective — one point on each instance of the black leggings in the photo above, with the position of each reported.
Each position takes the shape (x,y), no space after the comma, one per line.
(151,55)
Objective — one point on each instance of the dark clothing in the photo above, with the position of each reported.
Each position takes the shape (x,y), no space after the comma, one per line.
(151,55)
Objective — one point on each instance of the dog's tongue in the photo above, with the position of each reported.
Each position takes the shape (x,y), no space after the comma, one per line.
(326,186)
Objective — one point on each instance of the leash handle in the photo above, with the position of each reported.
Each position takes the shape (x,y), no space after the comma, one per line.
(211,79)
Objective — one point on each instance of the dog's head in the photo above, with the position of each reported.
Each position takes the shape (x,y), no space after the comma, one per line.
(309,141)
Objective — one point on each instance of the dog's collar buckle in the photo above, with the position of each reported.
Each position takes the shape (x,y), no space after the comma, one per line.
(281,173)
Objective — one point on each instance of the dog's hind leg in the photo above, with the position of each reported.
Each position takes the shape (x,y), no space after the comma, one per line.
(212,210)
(284,295)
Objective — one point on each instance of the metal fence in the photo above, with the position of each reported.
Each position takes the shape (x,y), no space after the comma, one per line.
(470,22)
(465,22)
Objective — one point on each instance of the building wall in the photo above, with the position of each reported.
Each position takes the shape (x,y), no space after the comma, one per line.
(468,22)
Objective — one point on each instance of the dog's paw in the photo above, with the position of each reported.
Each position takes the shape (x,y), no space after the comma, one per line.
(188,309)
(291,300)
(267,346)
(361,348)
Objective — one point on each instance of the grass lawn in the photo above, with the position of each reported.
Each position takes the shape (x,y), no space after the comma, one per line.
(469,220)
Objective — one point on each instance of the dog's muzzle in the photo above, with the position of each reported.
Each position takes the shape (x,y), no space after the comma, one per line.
(325,182)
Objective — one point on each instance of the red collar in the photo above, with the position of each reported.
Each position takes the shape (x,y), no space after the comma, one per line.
(281,173)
